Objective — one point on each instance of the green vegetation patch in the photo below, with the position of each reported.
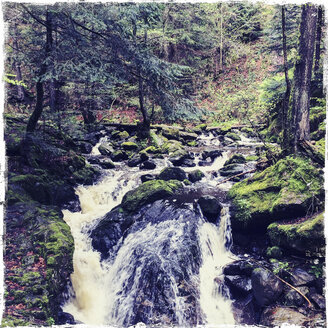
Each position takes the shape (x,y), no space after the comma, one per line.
(287,189)
(307,236)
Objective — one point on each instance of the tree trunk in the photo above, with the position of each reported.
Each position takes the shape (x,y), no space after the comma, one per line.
(300,129)
(21,94)
(318,41)
(33,120)
(285,105)
(221,38)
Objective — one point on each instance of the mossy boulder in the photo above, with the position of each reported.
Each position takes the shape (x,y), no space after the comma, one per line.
(236,159)
(211,207)
(119,155)
(120,135)
(196,175)
(187,136)
(129,145)
(87,176)
(106,149)
(171,132)
(172,173)
(149,192)
(305,237)
(233,136)
(174,148)
(284,190)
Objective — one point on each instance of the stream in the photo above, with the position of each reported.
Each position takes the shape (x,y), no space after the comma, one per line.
(168,268)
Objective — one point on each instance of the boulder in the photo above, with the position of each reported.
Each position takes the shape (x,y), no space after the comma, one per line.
(318,300)
(147,177)
(119,155)
(171,132)
(211,207)
(187,136)
(239,267)
(307,236)
(172,173)
(212,154)
(236,159)
(129,145)
(187,162)
(106,149)
(149,192)
(266,287)
(147,165)
(300,277)
(281,191)
(244,311)
(274,252)
(231,170)
(135,160)
(239,286)
(278,315)
(233,136)
(106,163)
(195,176)
(293,298)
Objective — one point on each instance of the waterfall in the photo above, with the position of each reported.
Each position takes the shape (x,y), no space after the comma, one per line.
(214,296)
(166,270)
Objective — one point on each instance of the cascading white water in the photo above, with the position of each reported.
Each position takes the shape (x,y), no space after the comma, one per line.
(215,243)
(98,287)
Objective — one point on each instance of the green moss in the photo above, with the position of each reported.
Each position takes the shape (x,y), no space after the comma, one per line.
(201,126)
(235,159)
(192,143)
(307,236)
(252,158)
(292,183)
(321,146)
(86,175)
(186,182)
(129,145)
(123,135)
(274,252)
(233,136)
(148,192)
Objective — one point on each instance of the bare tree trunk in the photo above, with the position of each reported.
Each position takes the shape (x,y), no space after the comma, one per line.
(21,94)
(318,40)
(285,105)
(300,129)
(33,120)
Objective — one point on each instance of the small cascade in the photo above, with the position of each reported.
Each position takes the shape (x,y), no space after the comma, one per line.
(215,243)
(167,269)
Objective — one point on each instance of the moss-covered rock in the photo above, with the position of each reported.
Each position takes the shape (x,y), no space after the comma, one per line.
(233,136)
(149,192)
(129,145)
(285,190)
(87,176)
(196,175)
(236,159)
(106,149)
(274,252)
(172,173)
(305,237)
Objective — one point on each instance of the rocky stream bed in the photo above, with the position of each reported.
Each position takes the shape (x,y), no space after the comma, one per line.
(190,227)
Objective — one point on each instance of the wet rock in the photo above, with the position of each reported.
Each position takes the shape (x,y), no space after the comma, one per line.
(195,176)
(239,286)
(187,136)
(277,315)
(171,132)
(238,268)
(135,160)
(204,163)
(293,298)
(187,163)
(172,173)
(266,287)
(231,170)
(149,192)
(119,155)
(318,300)
(120,135)
(92,137)
(212,154)
(106,149)
(211,207)
(236,159)
(147,165)
(65,318)
(106,163)
(233,136)
(181,158)
(129,145)
(147,177)
(300,277)
(244,311)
